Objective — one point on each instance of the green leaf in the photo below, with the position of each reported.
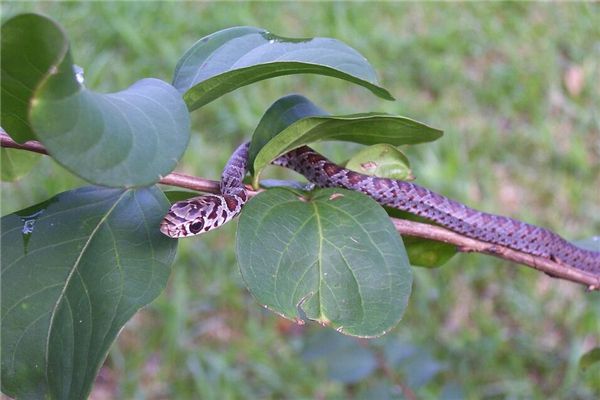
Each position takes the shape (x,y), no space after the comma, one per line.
(334,258)
(451,391)
(129,138)
(421,370)
(272,183)
(178,195)
(16,163)
(423,252)
(229,59)
(380,389)
(345,359)
(590,358)
(281,114)
(74,271)
(382,160)
(428,253)
(418,365)
(352,365)
(32,47)
(123,139)
(293,121)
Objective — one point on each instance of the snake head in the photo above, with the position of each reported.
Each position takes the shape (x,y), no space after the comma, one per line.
(199,215)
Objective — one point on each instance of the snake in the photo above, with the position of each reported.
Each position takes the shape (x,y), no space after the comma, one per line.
(201,214)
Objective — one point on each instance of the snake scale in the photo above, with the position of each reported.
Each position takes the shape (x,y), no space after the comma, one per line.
(201,214)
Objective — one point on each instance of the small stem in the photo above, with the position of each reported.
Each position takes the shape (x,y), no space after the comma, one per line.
(404,227)
(190,182)
(199,184)
(393,377)
(31,145)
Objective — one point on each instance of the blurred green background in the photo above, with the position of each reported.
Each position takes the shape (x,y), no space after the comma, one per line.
(515,87)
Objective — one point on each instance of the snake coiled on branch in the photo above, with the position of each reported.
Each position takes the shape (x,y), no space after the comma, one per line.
(201,214)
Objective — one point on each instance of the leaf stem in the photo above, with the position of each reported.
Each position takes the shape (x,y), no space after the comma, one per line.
(404,227)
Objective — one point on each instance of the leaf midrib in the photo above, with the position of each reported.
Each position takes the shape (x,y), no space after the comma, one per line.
(71,273)
(320,257)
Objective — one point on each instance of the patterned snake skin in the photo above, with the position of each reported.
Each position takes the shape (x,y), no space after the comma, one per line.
(201,214)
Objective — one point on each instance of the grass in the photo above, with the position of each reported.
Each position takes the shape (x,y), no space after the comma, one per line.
(521,139)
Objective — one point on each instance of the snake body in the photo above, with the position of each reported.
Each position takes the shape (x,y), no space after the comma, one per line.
(201,214)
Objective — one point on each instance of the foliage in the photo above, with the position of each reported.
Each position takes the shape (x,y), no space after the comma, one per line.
(311,269)
(294,120)
(332,257)
(74,269)
(235,57)
(183,346)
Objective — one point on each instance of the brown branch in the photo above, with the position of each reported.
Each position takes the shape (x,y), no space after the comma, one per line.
(32,145)
(404,227)
(467,245)
(199,184)
(191,182)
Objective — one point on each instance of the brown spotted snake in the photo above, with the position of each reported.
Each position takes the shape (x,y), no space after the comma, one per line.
(201,214)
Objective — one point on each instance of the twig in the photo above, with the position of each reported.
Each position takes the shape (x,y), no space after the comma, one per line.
(191,182)
(32,145)
(404,227)
(469,245)
(393,377)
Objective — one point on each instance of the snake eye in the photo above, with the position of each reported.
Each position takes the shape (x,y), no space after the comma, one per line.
(196,227)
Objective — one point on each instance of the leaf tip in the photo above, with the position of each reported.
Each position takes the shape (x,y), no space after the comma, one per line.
(299,321)
(388,96)
(324,321)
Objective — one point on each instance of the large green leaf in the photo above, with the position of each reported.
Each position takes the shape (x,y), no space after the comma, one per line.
(129,138)
(32,47)
(74,270)
(333,257)
(16,163)
(229,59)
(294,120)
(123,139)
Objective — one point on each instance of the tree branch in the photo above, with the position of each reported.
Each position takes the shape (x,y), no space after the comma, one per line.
(404,227)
